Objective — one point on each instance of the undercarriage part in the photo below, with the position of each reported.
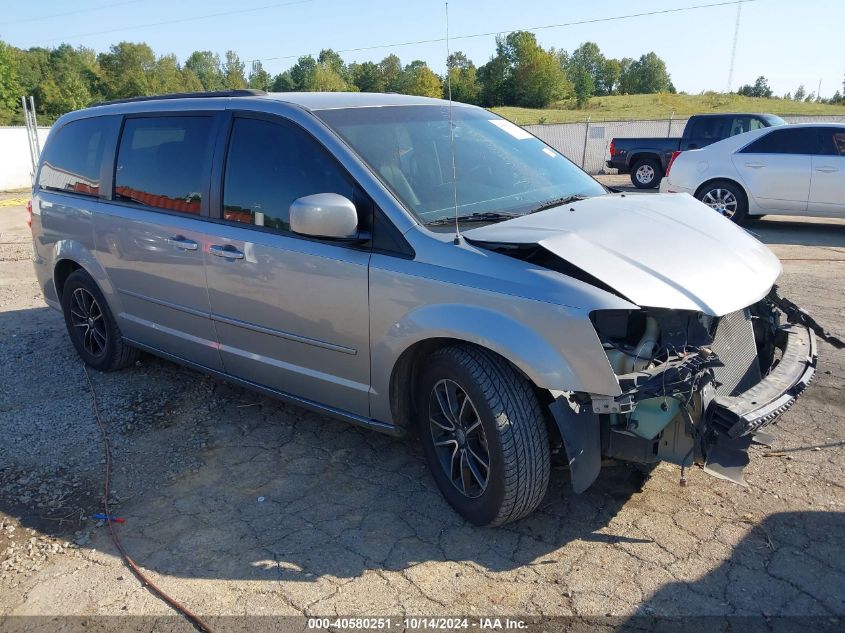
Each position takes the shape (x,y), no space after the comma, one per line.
(581,433)
(727,458)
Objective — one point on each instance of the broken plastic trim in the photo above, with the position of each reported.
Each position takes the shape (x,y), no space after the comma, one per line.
(794,314)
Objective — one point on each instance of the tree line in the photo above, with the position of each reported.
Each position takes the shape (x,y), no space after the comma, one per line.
(761,88)
(519,73)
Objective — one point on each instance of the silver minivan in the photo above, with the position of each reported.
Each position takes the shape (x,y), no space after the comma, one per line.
(418,268)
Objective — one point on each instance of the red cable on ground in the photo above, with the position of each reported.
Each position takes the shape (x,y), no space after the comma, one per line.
(192,617)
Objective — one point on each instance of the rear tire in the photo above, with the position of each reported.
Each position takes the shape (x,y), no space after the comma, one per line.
(91,325)
(725,197)
(474,407)
(646,173)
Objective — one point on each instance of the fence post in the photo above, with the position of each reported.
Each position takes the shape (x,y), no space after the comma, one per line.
(586,136)
(671,118)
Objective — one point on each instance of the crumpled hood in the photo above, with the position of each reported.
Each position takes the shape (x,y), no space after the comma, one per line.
(657,250)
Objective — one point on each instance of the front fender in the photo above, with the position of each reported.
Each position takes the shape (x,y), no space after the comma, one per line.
(535,356)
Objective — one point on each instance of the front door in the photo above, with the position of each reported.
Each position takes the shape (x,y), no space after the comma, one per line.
(827,190)
(291,313)
(776,168)
(150,239)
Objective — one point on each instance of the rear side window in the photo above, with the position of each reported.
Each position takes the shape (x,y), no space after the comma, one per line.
(268,166)
(832,141)
(161,162)
(72,159)
(795,140)
(709,128)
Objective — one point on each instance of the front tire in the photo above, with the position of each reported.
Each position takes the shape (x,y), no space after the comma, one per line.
(646,173)
(92,327)
(725,197)
(483,434)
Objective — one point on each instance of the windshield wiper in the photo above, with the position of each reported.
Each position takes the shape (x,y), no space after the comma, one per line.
(487,216)
(557,202)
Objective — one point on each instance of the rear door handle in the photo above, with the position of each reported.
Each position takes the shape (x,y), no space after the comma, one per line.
(755,165)
(827,170)
(228,251)
(183,243)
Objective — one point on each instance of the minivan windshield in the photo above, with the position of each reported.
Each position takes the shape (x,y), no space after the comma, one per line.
(501,170)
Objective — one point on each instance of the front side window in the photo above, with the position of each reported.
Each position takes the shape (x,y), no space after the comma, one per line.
(268,166)
(500,169)
(161,162)
(786,140)
(72,159)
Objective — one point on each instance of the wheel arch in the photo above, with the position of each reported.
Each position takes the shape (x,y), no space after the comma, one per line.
(71,255)
(438,326)
(710,181)
(643,154)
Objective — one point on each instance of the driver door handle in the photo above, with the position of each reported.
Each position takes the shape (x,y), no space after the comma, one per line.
(755,165)
(228,251)
(826,169)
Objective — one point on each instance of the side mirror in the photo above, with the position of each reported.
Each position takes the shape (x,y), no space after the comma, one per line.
(326,215)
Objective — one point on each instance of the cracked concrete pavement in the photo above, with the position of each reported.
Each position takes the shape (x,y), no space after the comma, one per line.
(239,504)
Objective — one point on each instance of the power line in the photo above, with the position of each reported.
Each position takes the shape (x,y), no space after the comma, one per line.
(435,40)
(177,21)
(42,18)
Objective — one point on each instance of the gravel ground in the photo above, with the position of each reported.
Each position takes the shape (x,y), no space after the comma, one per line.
(238,504)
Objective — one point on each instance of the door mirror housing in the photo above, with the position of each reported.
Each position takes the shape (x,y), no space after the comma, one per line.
(326,215)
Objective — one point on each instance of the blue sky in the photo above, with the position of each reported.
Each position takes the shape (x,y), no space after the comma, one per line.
(790,42)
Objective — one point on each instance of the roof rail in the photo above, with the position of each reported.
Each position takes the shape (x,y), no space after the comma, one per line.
(189,95)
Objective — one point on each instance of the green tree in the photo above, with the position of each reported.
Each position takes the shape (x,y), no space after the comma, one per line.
(418,79)
(800,93)
(391,71)
(462,76)
(646,75)
(536,78)
(836,98)
(233,72)
(759,89)
(283,82)
(522,73)
(302,73)
(609,75)
(493,78)
(585,69)
(334,62)
(367,77)
(259,79)
(169,77)
(127,70)
(10,87)
(73,81)
(206,67)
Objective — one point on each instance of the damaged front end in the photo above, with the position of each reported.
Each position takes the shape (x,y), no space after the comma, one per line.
(695,388)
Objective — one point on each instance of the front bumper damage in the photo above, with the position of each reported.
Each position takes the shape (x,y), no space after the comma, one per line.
(702,403)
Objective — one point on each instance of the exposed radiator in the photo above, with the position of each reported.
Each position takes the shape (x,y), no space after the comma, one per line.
(734,343)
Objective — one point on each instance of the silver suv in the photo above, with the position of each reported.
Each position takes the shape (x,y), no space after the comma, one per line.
(381,259)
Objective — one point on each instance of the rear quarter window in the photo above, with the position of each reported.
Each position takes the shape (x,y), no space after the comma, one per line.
(73,159)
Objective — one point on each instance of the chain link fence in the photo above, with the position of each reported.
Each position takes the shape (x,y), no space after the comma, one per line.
(588,143)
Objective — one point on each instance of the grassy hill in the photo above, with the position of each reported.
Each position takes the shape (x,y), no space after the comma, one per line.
(661,106)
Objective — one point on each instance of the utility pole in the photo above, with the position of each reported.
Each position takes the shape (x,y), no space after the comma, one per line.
(819,91)
(733,50)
